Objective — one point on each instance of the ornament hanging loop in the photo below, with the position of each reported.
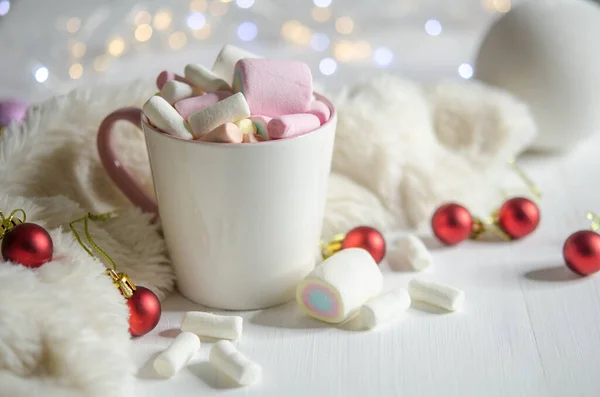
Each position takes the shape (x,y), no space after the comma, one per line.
(595,219)
(122,282)
(10,221)
(333,246)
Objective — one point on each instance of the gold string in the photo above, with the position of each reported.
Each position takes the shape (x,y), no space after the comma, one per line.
(530,184)
(595,220)
(85,219)
(7,223)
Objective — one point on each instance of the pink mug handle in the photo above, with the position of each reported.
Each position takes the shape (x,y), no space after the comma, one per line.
(113,165)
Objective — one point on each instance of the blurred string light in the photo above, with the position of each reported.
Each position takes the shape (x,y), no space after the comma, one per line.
(327,66)
(383,56)
(177,40)
(344,25)
(433,27)
(295,32)
(319,41)
(198,5)
(101,63)
(196,20)
(4,7)
(204,33)
(321,14)
(116,47)
(76,71)
(247,31)
(162,20)
(322,3)
(73,25)
(225,1)
(142,17)
(244,3)
(41,74)
(78,49)
(497,5)
(465,71)
(348,51)
(143,32)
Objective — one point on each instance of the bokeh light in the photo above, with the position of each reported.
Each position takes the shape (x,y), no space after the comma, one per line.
(244,3)
(344,25)
(78,49)
(433,27)
(4,7)
(319,41)
(116,47)
(142,17)
(321,14)
(247,31)
(198,5)
(465,71)
(162,20)
(327,66)
(322,3)
(177,40)
(196,20)
(73,25)
(383,56)
(204,33)
(218,8)
(76,71)
(41,74)
(143,32)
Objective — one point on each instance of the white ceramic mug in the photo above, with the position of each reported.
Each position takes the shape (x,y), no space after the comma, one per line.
(241,221)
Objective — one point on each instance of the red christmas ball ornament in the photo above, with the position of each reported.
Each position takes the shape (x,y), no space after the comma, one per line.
(367,238)
(518,217)
(144,311)
(581,252)
(27,244)
(452,223)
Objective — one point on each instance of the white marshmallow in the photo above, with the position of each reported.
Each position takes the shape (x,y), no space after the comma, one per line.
(335,290)
(212,325)
(177,355)
(226,358)
(436,294)
(230,109)
(206,80)
(384,308)
(174,91)
(409,250)
(166,118)
(225,63)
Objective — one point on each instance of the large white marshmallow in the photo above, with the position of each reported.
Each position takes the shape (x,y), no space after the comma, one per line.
(409,253)
(227,359)
(165,117)
(177,355)
(228,110)
(338,287)
(205,79)
(225,63)
(436,294)
(384,308)
(212,325)
(174,91)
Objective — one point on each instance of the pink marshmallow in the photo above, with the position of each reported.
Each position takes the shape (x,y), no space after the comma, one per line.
(186,107)
(320,110)
(225,133)
(165,76)
(292,125)
(249,138)
(274,87)
(261,122)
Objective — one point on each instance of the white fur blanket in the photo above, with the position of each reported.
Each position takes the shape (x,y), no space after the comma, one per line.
(401,149)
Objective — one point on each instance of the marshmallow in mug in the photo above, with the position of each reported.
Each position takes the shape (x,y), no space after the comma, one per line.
(225,63)
(166,118)
(187,107)
(230,109)
(339,286)
(274,87)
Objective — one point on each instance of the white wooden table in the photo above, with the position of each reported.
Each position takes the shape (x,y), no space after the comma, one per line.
(530,327)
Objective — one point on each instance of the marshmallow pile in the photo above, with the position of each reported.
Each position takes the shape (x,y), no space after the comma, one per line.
(242,99)
(224,356)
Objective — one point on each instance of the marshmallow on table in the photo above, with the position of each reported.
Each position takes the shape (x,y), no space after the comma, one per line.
(436,294)
(410,250)
(230,109)
(165,76)
(174,91)
(165,117)
(187,107)
(227,359)
(274,87)
(384,308)
(203,78)
(225,133)
(226,60)
(260,123)
(177,355)
(292,125)
(212,325)
(336,289)
(320,110)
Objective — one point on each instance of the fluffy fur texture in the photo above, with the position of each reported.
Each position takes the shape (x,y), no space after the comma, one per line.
(401,149)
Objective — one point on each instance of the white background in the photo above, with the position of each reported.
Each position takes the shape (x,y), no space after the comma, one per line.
(530,328)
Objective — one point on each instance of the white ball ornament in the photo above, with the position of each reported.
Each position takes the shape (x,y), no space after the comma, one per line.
(547,54)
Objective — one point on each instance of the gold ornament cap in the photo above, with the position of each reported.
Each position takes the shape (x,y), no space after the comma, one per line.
(122,282)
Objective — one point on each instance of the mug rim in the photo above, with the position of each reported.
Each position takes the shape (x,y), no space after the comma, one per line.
(147,127)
